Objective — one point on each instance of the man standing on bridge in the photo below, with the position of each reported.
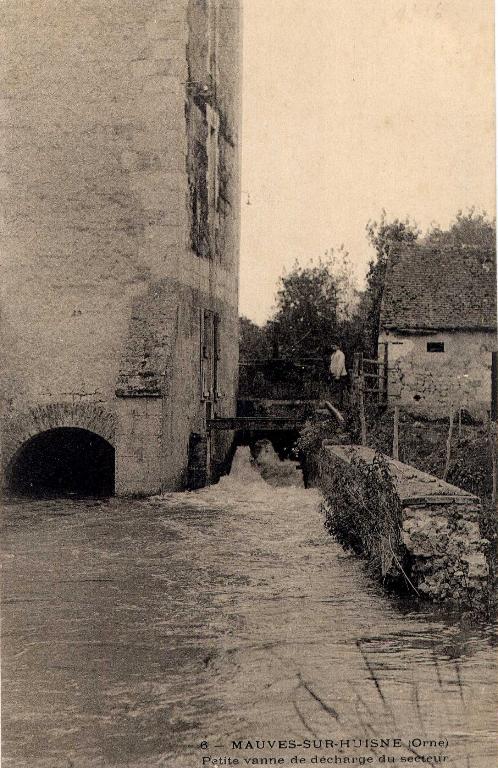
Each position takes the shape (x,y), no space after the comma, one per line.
(338,372)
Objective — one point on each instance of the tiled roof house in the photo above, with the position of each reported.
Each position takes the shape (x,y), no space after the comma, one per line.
(438,319)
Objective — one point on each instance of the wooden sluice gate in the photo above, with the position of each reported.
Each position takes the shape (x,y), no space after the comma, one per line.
(274,423)
(257,423)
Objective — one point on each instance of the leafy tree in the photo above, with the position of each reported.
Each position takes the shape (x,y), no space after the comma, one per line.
(382,235)
(309,310)
(342,271)
(253,341)
(471,228)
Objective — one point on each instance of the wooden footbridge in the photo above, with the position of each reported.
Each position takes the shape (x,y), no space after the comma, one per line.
(257,423)
(279,395)
(272,423)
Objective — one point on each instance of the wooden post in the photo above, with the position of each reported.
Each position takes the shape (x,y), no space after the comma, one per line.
(358,393)
(448,446)
(492,426)
(494,387)
(396,433)
(354,380)
(361,399)
(360,365)
(363,421)
(356,366)
(460,423)
(385,393)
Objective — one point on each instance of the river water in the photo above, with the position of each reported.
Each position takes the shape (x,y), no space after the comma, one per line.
(157,632)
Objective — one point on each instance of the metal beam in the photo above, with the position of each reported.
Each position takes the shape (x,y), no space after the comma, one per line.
(256,423)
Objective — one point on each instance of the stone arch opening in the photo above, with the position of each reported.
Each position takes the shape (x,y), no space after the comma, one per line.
(64,461)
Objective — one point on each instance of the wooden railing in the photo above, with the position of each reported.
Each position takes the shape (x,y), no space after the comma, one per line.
(372,376)
(370,380)
(282,379)
(309,379)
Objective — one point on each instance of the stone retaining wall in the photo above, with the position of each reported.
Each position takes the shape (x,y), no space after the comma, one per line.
(445,552)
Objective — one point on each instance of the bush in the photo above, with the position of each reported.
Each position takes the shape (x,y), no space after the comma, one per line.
(363,512)
(309,444)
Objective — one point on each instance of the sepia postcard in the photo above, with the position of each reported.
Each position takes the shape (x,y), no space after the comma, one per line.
(249,383)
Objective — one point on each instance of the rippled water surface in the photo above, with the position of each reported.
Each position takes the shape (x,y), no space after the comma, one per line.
(135,630)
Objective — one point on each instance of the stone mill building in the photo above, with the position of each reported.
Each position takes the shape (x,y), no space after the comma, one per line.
(438,320)
(121,229)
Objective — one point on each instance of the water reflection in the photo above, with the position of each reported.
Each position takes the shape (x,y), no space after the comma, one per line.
(133,630)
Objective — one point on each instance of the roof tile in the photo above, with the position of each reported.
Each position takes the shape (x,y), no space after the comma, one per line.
(435,288)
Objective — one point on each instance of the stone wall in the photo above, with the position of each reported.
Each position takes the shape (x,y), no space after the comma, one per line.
(24,425)
(95,153)
(433,383)
(445,554)
(102,291)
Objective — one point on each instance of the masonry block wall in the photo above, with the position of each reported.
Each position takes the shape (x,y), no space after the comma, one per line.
(434,383)
(121,197)
(447,556)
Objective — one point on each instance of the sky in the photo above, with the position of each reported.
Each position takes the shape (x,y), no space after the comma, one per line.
(352,106)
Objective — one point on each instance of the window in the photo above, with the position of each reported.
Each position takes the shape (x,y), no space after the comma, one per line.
(212,180)
(204,138)
(435,346)
(204,181)
(210,354)
(200,201)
